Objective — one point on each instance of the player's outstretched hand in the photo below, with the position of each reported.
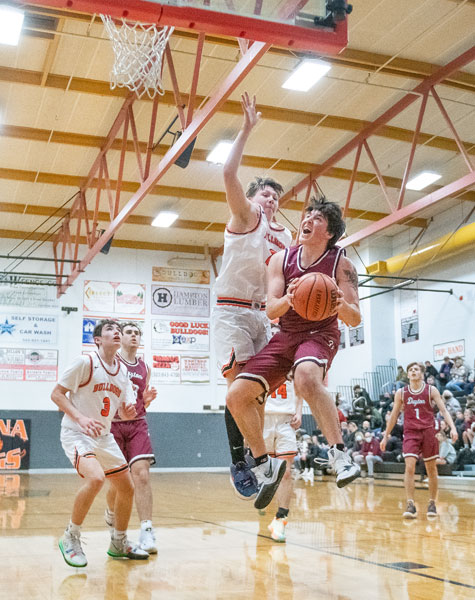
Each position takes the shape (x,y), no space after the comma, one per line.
(127,411)
(382,444)
(454,435)
(293,285)
(90,427)
(149,395)
(251,116)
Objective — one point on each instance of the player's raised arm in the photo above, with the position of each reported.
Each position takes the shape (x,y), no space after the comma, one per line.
(244,213)
(393,417)
(348,304)
(278,302)
(436,398)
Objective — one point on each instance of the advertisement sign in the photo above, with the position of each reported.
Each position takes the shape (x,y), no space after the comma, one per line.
(357,335)
(24,330)
(450,349)
(130,298)
(194,369)
(99,296)
(180,335)
(28,296)
(22,364)
(89,323)
(112,297)
(178,300)
(165,369)
(14,444)
(174,275)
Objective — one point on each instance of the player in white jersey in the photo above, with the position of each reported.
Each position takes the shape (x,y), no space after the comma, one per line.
(90,392)
(240,325)
(283,416)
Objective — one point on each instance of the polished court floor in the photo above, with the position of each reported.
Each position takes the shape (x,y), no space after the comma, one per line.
(342,544)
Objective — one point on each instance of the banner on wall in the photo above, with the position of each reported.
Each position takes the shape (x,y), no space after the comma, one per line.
(28,296)
(14,444)
(165,369)
(194,369)
(23,329)
(410,329)
(450,349)
(173,275)
(28,364)
(89,323)
(357,335)
(111,297)
(178,300)
(180,335)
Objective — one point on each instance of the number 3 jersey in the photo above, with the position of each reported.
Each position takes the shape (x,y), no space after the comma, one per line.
(418,411)
(96,389)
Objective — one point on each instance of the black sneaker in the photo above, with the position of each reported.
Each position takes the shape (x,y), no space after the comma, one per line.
(411,510)
(268,480)
(243,481)
(431,509)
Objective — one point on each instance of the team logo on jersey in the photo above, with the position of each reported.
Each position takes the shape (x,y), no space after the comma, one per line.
(415,402)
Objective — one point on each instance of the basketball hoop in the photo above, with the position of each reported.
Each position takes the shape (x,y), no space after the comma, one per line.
(138,50)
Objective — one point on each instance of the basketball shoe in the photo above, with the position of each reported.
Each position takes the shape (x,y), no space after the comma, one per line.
(243,481)
(346,470)
(411,510)
(269,475)
(147,538)
(70,546)
(431,509)
(277,529)
(122,548)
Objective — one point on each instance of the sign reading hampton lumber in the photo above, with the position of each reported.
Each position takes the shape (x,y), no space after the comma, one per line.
(180,300)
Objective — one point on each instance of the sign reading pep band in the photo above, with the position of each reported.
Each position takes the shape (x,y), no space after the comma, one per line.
(180,301)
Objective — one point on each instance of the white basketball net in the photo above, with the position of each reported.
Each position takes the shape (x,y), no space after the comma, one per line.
(138,50)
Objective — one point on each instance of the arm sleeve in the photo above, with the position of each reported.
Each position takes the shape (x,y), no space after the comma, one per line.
(77,373)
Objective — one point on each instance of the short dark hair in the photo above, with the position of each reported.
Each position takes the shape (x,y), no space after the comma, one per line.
(259,183)
(332,213)
(421,367)
(129,324)
(100,325)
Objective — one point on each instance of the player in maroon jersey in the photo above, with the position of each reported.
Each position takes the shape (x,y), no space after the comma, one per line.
(133,437)
(417,401)
(305,347)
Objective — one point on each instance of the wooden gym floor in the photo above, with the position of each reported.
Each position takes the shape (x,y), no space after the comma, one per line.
(342,544)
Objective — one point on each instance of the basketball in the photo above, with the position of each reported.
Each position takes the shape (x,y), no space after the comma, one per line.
(315,297)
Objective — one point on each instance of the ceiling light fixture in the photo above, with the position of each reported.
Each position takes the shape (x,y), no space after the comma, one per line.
(165,218)
(11,21)
(422,180)
(220,153)
(306,75)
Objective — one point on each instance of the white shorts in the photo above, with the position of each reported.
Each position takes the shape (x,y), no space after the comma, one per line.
(79,446)
(239,333)
(279,436)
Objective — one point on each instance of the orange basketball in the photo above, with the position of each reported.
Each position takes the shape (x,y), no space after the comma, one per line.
(315,297)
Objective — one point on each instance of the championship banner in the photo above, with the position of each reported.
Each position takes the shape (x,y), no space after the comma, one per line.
(14,444)
(180,335)
(173,275)
(177,300)
(165,369)
(24,330)
(89,323)
(194,369)
(28,296)
(21,364)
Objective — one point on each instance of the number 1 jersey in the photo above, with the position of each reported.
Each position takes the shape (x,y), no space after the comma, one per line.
(418,411)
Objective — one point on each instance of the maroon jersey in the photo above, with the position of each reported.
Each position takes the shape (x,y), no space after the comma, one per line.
(418,411)
(292,268)
(138,373)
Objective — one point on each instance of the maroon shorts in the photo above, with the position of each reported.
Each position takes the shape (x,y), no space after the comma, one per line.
(418,442)
(285,351)
(133,438)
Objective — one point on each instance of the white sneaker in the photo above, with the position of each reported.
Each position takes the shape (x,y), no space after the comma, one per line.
(147,540)
(277,529)
(122,548)
(346,470)
(70,546)
(268,477)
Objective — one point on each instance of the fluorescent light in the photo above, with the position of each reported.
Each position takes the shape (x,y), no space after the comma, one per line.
(165,218)
(422,180)
(220,153)
(306,75)
(11,21)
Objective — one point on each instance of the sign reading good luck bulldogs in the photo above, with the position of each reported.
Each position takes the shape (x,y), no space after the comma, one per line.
(180,334)
(180,300)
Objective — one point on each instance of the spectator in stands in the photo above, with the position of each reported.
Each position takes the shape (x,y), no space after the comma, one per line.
(350,439)
(369,454)
(430,371)
(444,371)
(460,427)
(386,401)
(451,403)
(345,432)
(374,417)
(341,415)
(365,426)
(458,376)
(468,432)
(431,380)
(393,450)
(401,377)
(470,385)
(359,392)
(304,446)
(343,404)
(447,453)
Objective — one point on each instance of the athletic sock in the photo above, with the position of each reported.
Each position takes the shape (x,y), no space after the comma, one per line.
(340,447)
(146,524)
(118,535)
(282,513)
(235,439)
(73,528)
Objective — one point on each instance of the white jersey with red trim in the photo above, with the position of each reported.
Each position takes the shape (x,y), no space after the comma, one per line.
(242,276)
(96,389)
(282,401)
